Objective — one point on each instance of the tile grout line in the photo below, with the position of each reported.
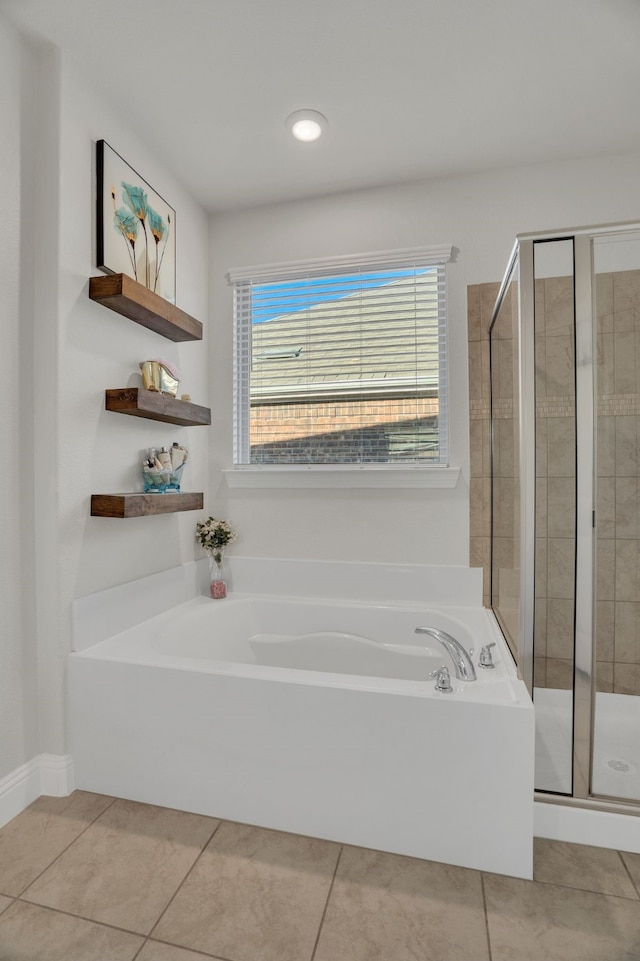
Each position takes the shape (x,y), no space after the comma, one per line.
(64,850)
(170,944)
(141,948)
(572,887)
(188,874)
(81,917)
(182,947)
(326,904)
(486,915)
(624,864)
(114,927)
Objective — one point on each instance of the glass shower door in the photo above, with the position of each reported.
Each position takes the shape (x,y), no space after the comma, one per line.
(616,744)
(565,528)
(555,512)
(504,349)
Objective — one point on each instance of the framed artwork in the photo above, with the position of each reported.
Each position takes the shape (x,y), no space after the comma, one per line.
(136,228)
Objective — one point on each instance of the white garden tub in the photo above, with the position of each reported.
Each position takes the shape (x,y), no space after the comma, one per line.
(316,717)
(352,644)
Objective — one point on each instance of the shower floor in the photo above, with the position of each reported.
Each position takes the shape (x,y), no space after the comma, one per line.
(616,759)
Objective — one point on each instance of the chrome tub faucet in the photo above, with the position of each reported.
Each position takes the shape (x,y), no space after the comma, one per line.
(462,662)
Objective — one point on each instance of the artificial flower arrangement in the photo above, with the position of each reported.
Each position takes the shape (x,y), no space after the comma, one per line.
(215,535)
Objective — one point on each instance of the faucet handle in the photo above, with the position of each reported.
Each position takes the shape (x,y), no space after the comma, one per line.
(443,679)
(486,657)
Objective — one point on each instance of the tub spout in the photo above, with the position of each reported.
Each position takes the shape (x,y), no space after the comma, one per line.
(462,663)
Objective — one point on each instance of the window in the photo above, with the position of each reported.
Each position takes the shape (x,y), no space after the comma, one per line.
(342,362)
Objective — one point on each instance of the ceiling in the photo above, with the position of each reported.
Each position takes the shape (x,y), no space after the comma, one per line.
(412,89)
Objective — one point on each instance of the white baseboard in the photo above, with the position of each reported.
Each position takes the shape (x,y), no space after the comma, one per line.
(50,774)
(56,773)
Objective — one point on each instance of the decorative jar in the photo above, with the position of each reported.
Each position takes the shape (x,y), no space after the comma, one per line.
(162,481)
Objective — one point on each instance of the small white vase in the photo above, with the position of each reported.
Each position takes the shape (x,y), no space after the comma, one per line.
(217,583)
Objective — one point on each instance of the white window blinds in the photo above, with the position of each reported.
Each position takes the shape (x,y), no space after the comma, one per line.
(342,361)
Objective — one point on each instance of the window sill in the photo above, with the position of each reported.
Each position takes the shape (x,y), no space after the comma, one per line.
(351,476)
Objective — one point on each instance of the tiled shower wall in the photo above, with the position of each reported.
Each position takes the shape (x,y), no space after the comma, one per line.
(618,498)
(481,300)
(618,504)
(555,483)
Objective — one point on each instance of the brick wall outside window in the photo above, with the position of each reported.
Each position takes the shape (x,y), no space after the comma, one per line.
(329,431)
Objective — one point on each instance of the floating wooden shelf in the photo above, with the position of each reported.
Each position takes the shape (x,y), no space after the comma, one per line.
(127,297)
(155,406)
(141,505)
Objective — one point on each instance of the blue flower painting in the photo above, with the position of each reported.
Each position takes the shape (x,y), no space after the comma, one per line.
(136,227)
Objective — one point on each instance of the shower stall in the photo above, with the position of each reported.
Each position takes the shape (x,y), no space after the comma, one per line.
(564,420)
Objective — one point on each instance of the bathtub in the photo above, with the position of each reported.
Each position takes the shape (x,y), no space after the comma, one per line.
(314,716)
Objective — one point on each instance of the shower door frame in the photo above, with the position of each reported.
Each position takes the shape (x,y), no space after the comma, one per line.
(584,658)
(522,259)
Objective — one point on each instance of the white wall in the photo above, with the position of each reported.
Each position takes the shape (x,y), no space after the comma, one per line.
(481,216)
(18,676)
(93,450)
(60,353)
(100,451)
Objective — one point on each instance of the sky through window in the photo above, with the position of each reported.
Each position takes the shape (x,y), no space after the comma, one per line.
(268,299)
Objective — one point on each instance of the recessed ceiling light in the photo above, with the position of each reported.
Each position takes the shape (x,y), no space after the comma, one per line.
(306,125)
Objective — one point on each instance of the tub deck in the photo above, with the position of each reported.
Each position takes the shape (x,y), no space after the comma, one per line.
(316,642)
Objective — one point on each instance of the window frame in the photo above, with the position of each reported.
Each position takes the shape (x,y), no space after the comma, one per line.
(407,474)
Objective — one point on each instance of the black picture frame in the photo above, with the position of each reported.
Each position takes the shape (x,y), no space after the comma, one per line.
(135,226)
